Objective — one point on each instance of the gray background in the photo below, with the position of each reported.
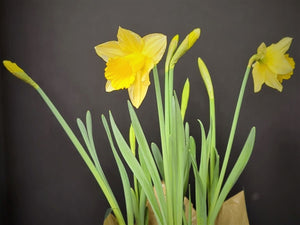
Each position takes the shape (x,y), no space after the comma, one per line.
(43,178)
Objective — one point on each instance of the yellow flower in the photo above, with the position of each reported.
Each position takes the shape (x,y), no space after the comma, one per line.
(130,60)
(273,65)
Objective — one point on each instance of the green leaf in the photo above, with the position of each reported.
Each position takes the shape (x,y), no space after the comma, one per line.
(187,160)
(203,167)
(135,207)
(136,169)
(91,139)
(215,177)
(83,132)
(143,209)
(124,176)
(201,210)
(87,137)
(100,178)
(192,147)
(190,208)
(142,160)
(141,139)
(234,174)
(158,159)
(178,138)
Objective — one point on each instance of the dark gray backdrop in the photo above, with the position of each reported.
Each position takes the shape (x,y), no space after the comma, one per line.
(43,178)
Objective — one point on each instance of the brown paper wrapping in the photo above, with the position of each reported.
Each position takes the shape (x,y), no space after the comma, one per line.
(110,220)
(232,212)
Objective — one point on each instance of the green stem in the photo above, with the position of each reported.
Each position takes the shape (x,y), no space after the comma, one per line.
(164,137)
(213,138)
(101,181)
(231,137)
(211,149)
(159,107)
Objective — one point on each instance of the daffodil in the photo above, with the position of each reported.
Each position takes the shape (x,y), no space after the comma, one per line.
(130,60)
(273,65)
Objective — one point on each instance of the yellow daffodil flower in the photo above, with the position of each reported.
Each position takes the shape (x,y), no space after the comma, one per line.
(130,60)
(273,65)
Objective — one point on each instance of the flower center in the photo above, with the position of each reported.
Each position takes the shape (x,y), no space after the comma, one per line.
(121,71)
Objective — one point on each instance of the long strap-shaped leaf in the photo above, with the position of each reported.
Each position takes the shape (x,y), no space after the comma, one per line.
(87,135)
(150,163)
(234,175)
(124,176)
(137,170)
(99,178)
(200,194)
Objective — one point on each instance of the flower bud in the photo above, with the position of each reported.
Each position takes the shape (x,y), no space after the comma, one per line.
(186,44)
(19,73)
(206,78)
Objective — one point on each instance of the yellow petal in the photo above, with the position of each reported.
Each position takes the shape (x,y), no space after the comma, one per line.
(258,74)
(154,46)
(108,50)
(261,51)
(272,81)
(137,91)
(108,87)
(262,74)
(283,45)
(129,41)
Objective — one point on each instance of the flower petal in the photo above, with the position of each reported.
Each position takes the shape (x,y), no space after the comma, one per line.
(154,46)
(108,87)
(261,50)
(283,45)
(272,81)
(137,91)
(129,41)
(108,50)
(258,74)
(262,74)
